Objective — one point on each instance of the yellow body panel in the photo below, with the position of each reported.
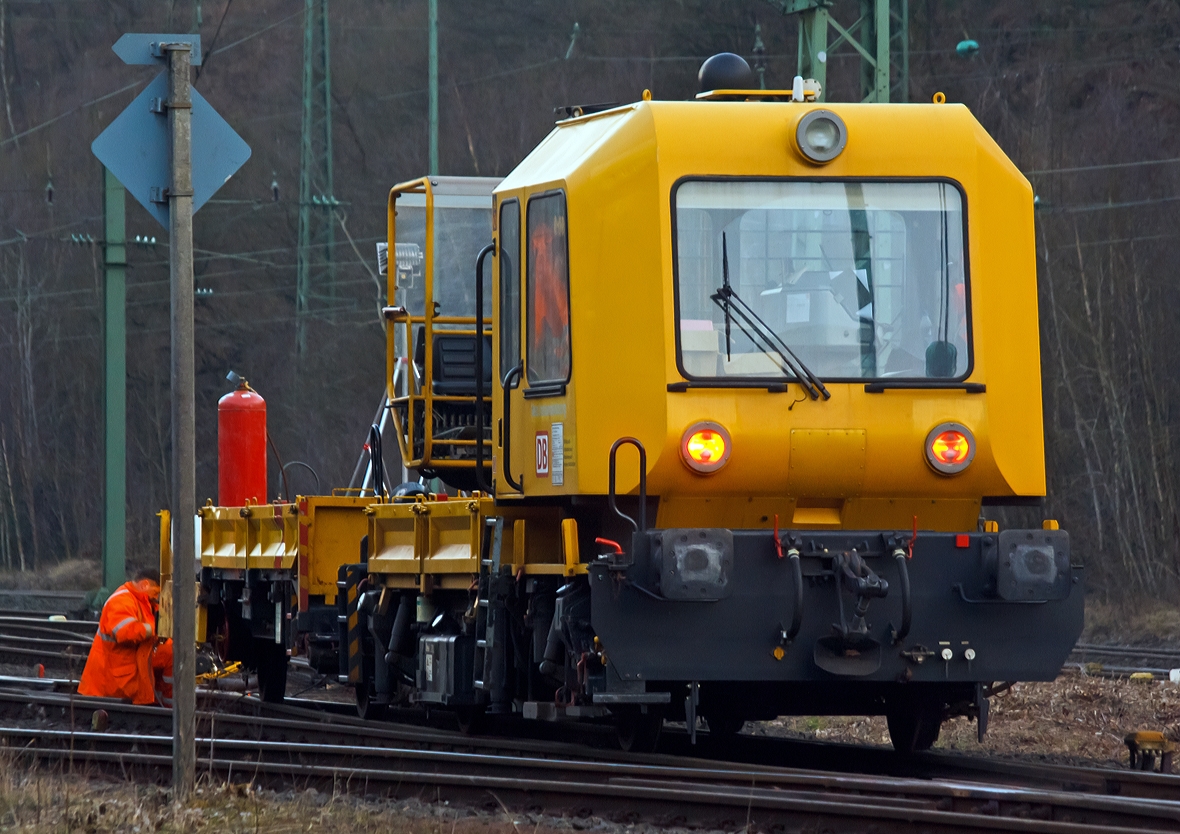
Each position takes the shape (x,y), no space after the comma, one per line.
(329,535)
(618,170)
(428,540)
(263,536)
(313,537)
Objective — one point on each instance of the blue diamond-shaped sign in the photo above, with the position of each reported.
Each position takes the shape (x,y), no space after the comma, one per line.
(136,148)
(144,48)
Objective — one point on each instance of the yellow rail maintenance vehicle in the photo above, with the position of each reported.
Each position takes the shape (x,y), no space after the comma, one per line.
(752,364)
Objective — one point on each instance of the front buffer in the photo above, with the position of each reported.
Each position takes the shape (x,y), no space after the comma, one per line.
(748,624)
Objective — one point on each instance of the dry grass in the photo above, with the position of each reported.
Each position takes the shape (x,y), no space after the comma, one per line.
(70,575)
(45,803)
(1147,622)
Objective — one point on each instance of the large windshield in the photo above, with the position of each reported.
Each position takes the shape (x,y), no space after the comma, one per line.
(861,280)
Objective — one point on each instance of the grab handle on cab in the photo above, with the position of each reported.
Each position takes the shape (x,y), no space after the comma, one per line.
(510,379)
(480,478)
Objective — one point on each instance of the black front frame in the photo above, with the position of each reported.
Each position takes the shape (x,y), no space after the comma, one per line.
(736,638)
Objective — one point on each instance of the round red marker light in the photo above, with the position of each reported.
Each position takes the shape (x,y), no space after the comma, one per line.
(705,447)
(950,447)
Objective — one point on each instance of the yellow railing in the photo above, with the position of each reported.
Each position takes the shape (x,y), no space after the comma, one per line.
(413,412)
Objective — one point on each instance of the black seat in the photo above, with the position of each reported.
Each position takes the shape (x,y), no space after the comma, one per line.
(453,365)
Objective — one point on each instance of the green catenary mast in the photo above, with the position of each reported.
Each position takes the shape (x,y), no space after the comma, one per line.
(883,25)
(315,270)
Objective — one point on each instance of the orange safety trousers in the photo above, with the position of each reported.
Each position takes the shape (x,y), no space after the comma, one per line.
(124,658)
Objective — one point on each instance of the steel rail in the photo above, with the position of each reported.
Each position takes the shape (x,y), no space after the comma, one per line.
(1086,650)
(913,790)
(53,643)
(78,626)
(801,798)
(37,613)
(942,765)
(1127,783)
(46,656)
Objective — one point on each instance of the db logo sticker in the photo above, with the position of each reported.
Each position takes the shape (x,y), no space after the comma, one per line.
(542,454)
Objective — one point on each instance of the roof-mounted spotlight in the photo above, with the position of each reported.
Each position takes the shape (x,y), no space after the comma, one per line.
(821,136)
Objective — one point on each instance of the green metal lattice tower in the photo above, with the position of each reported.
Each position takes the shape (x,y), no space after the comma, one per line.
(878,34)
(315,281)
(432,104)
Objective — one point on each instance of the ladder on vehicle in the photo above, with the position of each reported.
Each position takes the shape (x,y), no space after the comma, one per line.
(485,614)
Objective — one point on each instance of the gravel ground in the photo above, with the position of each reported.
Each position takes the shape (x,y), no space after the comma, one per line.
(1077,719)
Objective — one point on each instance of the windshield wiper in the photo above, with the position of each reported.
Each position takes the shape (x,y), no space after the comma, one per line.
(760,333)
(725,286)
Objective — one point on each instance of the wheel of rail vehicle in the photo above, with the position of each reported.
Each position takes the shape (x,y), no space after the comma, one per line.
(914,726)
(271,659)
(230,636)
(472,720)
(367,706)
(723,725)
(639,732)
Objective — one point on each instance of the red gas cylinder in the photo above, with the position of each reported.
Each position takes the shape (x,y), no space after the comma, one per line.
(241,447)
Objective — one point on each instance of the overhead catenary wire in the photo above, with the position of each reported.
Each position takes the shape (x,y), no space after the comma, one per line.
(1079,209)
(213,41)
(71,111)
(1106,166)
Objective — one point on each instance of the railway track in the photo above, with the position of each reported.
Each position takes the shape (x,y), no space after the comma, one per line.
(312,741)
(1120,650)
(289,743)
(714,796)
(58,646)
(1121,660)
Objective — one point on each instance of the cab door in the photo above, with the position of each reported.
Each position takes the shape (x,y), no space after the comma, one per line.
(535,361)
(509,367)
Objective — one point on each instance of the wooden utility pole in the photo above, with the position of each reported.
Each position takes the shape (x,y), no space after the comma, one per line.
(155,164)
(184,487)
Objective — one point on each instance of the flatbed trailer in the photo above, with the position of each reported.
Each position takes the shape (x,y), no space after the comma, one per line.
(268,573)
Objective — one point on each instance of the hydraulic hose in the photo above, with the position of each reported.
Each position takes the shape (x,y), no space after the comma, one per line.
(797,615)
(907,611)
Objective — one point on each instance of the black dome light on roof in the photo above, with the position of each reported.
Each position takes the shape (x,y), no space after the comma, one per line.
(725,71)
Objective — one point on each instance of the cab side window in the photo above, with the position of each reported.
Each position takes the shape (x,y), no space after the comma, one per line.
(548,290)
(509,286)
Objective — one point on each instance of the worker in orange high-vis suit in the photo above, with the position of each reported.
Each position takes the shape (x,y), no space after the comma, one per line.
(127,660)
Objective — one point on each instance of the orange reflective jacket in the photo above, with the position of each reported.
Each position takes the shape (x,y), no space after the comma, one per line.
(120,664)
(162,667)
